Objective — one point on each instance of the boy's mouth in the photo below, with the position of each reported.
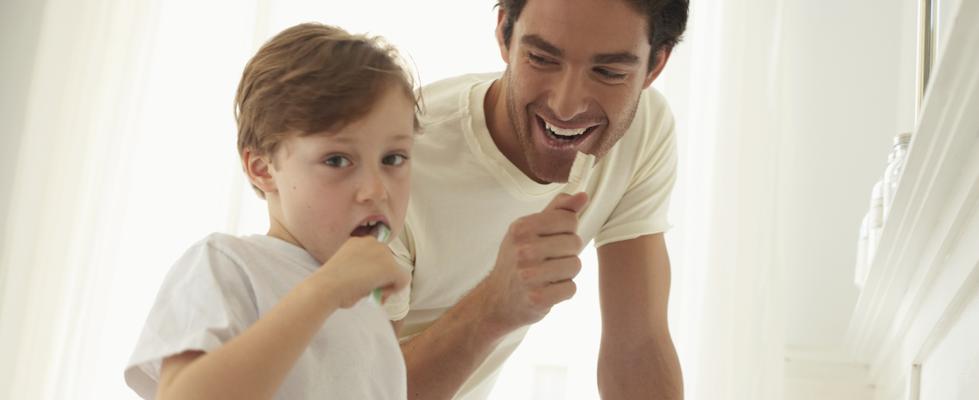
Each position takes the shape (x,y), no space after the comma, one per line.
(369,227)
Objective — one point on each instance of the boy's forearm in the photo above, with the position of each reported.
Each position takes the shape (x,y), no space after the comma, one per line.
(254,364)
(443,356)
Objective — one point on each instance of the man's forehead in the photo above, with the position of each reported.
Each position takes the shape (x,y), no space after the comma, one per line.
(583,28)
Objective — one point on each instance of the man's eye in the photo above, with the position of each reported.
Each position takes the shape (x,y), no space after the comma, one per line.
(394,159)
(337,161)
(536,59)
(608,74)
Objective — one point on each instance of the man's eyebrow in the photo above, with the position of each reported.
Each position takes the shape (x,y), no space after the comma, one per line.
(543,45)
(616,58)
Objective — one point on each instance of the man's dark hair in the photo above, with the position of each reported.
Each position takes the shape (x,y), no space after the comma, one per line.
(666,20)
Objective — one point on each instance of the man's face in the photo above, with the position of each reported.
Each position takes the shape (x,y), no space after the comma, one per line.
(575,71)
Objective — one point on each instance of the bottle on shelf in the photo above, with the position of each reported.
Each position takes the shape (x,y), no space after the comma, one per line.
(876,221)
(860,272)
(895,166)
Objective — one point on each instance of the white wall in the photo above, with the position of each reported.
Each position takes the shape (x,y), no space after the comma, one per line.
(19,31)
(952,371)
(848,86)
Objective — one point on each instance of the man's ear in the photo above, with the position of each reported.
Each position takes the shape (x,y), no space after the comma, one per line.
(500,21)
(259,169)
(661,57)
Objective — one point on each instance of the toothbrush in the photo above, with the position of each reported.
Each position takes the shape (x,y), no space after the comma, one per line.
(580,170)
(382,233)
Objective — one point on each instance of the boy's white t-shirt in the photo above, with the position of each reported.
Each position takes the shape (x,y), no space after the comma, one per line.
(224,284)
(465,194)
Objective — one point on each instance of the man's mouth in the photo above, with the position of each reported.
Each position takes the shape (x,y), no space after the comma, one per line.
(563,138)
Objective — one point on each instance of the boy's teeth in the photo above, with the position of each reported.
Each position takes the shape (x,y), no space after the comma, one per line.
(564,132)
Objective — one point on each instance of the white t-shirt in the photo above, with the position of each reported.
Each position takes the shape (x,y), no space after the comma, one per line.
(224,284)
(465,194)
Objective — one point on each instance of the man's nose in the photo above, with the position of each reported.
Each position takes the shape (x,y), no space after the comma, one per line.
(567,99)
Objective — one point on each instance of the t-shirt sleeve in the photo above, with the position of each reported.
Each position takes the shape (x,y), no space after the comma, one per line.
(643,208)
(396,306)
(205,300)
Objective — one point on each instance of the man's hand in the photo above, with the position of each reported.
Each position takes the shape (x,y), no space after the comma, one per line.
(537,261)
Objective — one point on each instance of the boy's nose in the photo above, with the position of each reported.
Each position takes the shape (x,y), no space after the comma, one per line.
(371,187)
(567,99)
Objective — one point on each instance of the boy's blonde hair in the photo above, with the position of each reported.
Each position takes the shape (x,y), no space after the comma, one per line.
(313,78)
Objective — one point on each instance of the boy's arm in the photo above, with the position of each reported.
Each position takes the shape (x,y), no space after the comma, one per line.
(254,364)
(637,358)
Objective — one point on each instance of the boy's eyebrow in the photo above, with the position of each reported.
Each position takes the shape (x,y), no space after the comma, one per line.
(543,45)
(351,139)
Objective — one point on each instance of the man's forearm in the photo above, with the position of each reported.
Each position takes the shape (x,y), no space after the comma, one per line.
(443,356)
(648,370)
(637,359)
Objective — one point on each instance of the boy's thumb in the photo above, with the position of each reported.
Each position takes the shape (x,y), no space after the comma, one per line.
(568,202)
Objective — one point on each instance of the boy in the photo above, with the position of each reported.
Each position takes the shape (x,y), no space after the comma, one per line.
(325,129)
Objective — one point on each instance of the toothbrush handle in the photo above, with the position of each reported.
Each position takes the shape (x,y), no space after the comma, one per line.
(382,234)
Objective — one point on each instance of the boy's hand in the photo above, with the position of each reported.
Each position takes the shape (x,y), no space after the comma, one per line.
(358,267)
(535,265)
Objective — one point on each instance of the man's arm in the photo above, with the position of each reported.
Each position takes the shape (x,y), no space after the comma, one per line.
(637,359)
(533,271)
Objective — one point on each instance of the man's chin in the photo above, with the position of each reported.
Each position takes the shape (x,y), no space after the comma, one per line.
(549,175)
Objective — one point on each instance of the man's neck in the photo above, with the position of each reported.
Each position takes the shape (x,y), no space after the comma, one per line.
(498,123)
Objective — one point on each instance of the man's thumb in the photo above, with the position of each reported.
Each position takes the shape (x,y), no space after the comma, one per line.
(568,202)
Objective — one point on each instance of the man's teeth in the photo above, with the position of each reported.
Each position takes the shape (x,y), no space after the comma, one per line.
(564,132)
(370,224)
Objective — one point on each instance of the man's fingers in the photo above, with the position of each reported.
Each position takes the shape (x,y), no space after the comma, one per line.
(557,292)
(573,203)
(546,223)
(551,271)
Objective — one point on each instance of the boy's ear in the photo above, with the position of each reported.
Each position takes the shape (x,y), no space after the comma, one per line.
(258,167)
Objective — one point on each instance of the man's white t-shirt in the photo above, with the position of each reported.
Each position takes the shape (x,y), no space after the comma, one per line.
(224,284)
(465,193)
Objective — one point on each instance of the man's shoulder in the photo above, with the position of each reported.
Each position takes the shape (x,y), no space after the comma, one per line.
(458,83)
(449,98)
(652,104)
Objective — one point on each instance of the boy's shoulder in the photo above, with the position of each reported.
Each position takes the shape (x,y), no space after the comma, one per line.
(229,245)
(251,253)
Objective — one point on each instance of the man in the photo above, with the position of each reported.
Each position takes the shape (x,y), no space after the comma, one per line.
(492,243)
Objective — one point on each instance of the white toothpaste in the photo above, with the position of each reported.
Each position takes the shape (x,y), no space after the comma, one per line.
(580,170)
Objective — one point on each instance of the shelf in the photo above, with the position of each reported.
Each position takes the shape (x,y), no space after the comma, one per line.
(927,262)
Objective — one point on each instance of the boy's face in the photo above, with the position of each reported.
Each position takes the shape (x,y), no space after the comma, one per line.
(575,70)
(327,186)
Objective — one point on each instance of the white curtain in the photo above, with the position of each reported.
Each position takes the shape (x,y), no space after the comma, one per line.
(127,156)
(724,85)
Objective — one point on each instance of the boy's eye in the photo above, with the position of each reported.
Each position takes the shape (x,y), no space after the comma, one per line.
(609,74)
(337,161)
(394,159)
